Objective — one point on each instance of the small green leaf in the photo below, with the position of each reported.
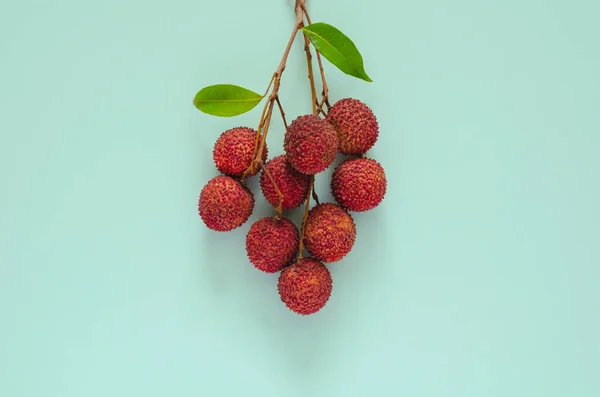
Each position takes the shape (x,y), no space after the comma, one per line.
(337,48)
(226,100)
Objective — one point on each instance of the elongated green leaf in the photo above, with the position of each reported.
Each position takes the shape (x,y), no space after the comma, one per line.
(337,48)
(226,100)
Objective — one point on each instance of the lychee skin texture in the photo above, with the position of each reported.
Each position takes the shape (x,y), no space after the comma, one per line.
(225,204)
(330,232)
(359,184)
(305,286)
(355,124)
(234,151)
(310,144)
(292,184)
(272,244)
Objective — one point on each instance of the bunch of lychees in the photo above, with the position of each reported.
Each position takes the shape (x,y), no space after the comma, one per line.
(311,144)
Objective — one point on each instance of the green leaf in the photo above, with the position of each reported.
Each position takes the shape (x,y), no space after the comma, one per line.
(337,48)
(226,100)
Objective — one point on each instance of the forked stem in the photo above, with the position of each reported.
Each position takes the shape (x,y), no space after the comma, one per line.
(320,107)
(325,92)
(265,119)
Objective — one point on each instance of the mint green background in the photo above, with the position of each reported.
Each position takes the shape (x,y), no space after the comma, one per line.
(477,276)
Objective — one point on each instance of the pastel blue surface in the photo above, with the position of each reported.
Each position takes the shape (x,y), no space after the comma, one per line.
(477,275)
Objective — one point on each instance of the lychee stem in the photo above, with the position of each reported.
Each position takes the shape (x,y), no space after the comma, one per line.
(282,112)
(260,125)
(325,92)
(266,92)
(320,107)
(306,208)
(279,194)
(311,78)
(265,119)
(257,141)
(259,146)
(263,138)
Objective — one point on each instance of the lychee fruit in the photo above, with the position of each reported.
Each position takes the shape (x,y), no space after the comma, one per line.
(329,232)
(291,183)
(234,151)
(305,286)
(310,144)
(272,244)
(225,204)
(359,184)
(355,124)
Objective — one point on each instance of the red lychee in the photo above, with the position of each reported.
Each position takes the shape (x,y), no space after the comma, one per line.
(305,286)
(234,150)
(225,204)
(359,184)
(272,244)
(355,124)
(329,233)
(310,144)
(292,184)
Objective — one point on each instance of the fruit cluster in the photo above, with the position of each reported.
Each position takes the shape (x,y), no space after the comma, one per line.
(275,244)
(311,143)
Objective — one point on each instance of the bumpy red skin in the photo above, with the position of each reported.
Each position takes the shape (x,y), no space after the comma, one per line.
(310,144)
(272,244)
(330,232)
(359,184)
(292,184)
(355,124)
(225,204)
(234,150)
(305,286)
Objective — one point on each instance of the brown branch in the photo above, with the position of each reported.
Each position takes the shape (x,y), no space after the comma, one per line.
(279,194)
(263,138)
(261,123)
(259,145)
(310,190)
(320,109)
(311,78)
(325,93)
(265,120)
(269,87)
(282,112)
(320,106)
